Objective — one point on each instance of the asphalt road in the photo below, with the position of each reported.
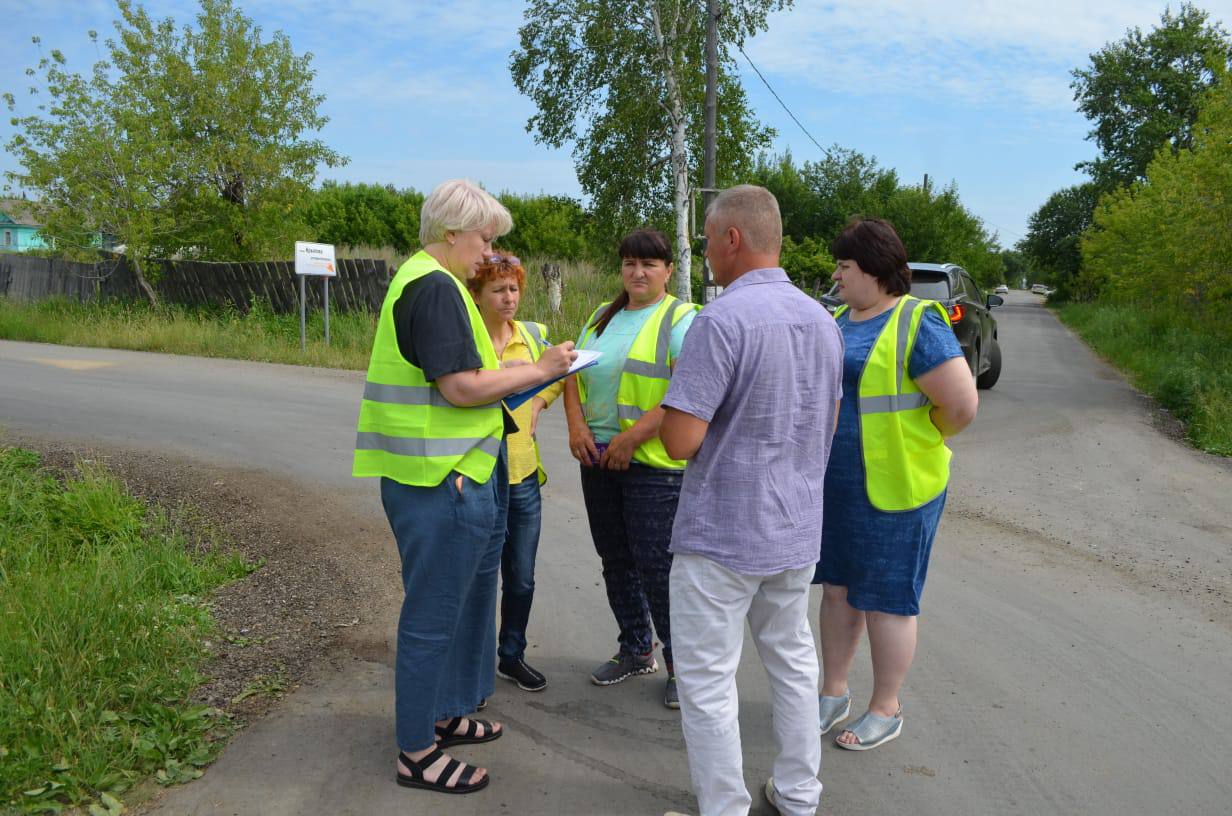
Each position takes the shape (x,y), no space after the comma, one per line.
(1076,639)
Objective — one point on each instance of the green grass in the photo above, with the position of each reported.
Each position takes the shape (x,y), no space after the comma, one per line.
(262,335)
(257,335)
(101,625)
(1181,358)
(584,289)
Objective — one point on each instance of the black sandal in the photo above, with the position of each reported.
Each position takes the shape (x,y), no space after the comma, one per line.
(450,735)
(415,779)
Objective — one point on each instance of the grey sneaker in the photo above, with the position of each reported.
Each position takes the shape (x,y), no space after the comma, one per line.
(622,667)
(671,698)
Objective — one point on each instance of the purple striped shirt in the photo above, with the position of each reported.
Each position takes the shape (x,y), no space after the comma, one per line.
(763,365)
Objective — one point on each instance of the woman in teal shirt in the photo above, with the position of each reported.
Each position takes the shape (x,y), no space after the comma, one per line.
(629,483)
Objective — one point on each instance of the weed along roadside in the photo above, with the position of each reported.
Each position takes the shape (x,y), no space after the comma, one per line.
(150,607)
(1178,357)
(102,623)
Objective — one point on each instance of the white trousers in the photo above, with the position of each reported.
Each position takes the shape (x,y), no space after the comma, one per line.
(709,606)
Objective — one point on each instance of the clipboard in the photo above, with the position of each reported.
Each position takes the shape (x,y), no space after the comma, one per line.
(585,359)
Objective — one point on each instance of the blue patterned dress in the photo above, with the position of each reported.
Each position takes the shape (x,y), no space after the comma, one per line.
(882,558)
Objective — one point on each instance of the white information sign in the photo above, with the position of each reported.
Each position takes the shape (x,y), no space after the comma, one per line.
(315,259)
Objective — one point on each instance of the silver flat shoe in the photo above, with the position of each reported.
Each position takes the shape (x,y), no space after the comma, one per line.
(872,730)
(834,710)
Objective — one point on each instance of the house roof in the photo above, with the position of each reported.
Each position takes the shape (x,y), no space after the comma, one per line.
(20,211)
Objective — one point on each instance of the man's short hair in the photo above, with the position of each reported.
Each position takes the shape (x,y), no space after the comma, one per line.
(752,210)
(459,205)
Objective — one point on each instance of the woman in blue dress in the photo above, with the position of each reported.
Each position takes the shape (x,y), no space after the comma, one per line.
(906,388)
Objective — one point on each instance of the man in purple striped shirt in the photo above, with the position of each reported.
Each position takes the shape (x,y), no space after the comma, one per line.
(752,406)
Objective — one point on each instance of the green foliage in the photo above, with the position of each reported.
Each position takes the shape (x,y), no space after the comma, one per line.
(808,263)
(372,215)
(624,84)
(1017,267)
(818,198)
(1166,238)
(552,227)
(1053,233)
(1182,357)
(183,141)
(937,228)
(101,621)
(1144,91)
(365,215)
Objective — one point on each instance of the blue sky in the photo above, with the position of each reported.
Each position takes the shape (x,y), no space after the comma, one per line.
(970,91)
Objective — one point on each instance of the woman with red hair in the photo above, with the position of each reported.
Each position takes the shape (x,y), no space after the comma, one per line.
(497,290)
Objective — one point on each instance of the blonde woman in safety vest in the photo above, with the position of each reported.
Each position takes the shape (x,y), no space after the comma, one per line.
(906,388)
(431,426)
(630,484)
(497,290)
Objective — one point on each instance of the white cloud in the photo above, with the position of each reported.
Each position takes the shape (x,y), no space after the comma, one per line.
(1015,56)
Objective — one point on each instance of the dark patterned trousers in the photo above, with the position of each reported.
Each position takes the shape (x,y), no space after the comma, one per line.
(631,514)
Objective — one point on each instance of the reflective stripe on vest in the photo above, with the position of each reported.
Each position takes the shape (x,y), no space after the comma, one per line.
(646,375)
(533,335)
(411,395)
(536,332)
(906,461)
(407,430)
(411,446)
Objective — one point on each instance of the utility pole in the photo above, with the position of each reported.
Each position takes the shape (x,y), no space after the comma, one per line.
(712,107)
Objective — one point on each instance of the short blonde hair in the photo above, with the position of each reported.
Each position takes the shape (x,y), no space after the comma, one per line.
(754,211)
(460,205)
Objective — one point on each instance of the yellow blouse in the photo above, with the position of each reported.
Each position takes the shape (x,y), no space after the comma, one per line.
(523,449)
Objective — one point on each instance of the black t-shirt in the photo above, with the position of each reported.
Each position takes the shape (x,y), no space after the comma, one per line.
(434,330)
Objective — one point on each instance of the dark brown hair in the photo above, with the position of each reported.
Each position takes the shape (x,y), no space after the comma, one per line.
(875,246)
(644,245)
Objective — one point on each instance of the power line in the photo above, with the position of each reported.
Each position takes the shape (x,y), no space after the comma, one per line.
(781,102)
(774,93)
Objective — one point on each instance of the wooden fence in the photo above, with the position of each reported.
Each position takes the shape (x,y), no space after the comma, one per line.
(359,286)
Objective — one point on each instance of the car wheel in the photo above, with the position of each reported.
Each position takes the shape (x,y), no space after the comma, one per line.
(989,378)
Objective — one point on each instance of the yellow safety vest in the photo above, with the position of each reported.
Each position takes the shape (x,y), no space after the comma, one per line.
(646,375)
(906,461)
(534,335)
(408,431)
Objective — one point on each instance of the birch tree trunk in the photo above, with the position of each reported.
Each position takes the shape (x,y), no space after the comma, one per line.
(667,42)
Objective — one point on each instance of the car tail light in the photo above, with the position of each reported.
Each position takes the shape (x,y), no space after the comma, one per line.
(956,313)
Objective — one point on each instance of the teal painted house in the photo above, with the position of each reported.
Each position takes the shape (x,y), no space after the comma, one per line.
(19,228)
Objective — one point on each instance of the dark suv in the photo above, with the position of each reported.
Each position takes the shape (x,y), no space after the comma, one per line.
(970,313)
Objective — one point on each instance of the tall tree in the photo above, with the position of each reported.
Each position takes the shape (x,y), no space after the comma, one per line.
(624,84)
(1054,231)
(1166,238)
(184,140)
(819,197)
(1143,92)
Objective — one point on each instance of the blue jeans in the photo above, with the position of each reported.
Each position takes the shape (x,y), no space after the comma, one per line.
(518,566)
(450,542)
(631,514)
